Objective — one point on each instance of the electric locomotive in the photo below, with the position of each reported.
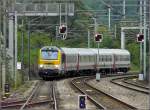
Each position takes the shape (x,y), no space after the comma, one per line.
(49,61)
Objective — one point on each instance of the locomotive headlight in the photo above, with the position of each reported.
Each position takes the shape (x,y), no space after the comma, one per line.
(41,66)
(56,66)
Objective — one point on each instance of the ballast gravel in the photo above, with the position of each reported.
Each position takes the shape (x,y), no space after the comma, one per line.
(134,98)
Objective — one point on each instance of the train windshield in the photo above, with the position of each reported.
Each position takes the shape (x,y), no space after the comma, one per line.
(49,54)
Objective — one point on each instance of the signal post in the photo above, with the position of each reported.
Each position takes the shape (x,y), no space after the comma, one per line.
(140,39)
(98,38)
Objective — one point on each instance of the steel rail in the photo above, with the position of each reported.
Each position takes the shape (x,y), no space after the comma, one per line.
(5,103)
(30,97)
(20,104)
(97,103)
(54,96)
(85,81)
(114,81)
(100,106)
(125,81)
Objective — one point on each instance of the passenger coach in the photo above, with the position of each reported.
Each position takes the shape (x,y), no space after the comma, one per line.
(54,61)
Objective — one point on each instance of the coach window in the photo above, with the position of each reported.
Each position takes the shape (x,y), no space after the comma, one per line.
(120,58)
(116,58)
(106,56)
(110,58)
(74,58)
(103,59)
(90,58)
(85,58)
(79,59)
(69,59)
(100,58)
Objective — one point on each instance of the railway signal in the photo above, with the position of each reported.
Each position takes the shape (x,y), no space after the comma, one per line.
(82,101)
(62,29)
(98,38)
(140,38)
(7,90)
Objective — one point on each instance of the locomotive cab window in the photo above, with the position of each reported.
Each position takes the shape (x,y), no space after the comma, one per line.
(49,54)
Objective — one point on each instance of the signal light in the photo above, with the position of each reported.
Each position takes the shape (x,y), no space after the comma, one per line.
(82,101)
(140,38)
(7,88)
(62,29)
(98,38)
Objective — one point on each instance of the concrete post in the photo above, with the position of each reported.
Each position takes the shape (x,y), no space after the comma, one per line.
(4,50)
(115,31)
(11,43)
(66,18)
(88,38)
(60,14)
(29,50)
(122,39)
(145,39)
(109,22)
(124,9)
(141,44)
(16,48)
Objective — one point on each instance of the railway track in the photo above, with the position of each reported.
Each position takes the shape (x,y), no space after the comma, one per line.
(136,84)
(42,97)
(99,98)
(121,81)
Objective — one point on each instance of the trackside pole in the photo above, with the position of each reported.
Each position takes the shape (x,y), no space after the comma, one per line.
(98,39)
(98,74)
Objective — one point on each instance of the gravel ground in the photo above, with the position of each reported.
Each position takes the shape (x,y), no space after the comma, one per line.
(22,92)
(131,97)
(67,97)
